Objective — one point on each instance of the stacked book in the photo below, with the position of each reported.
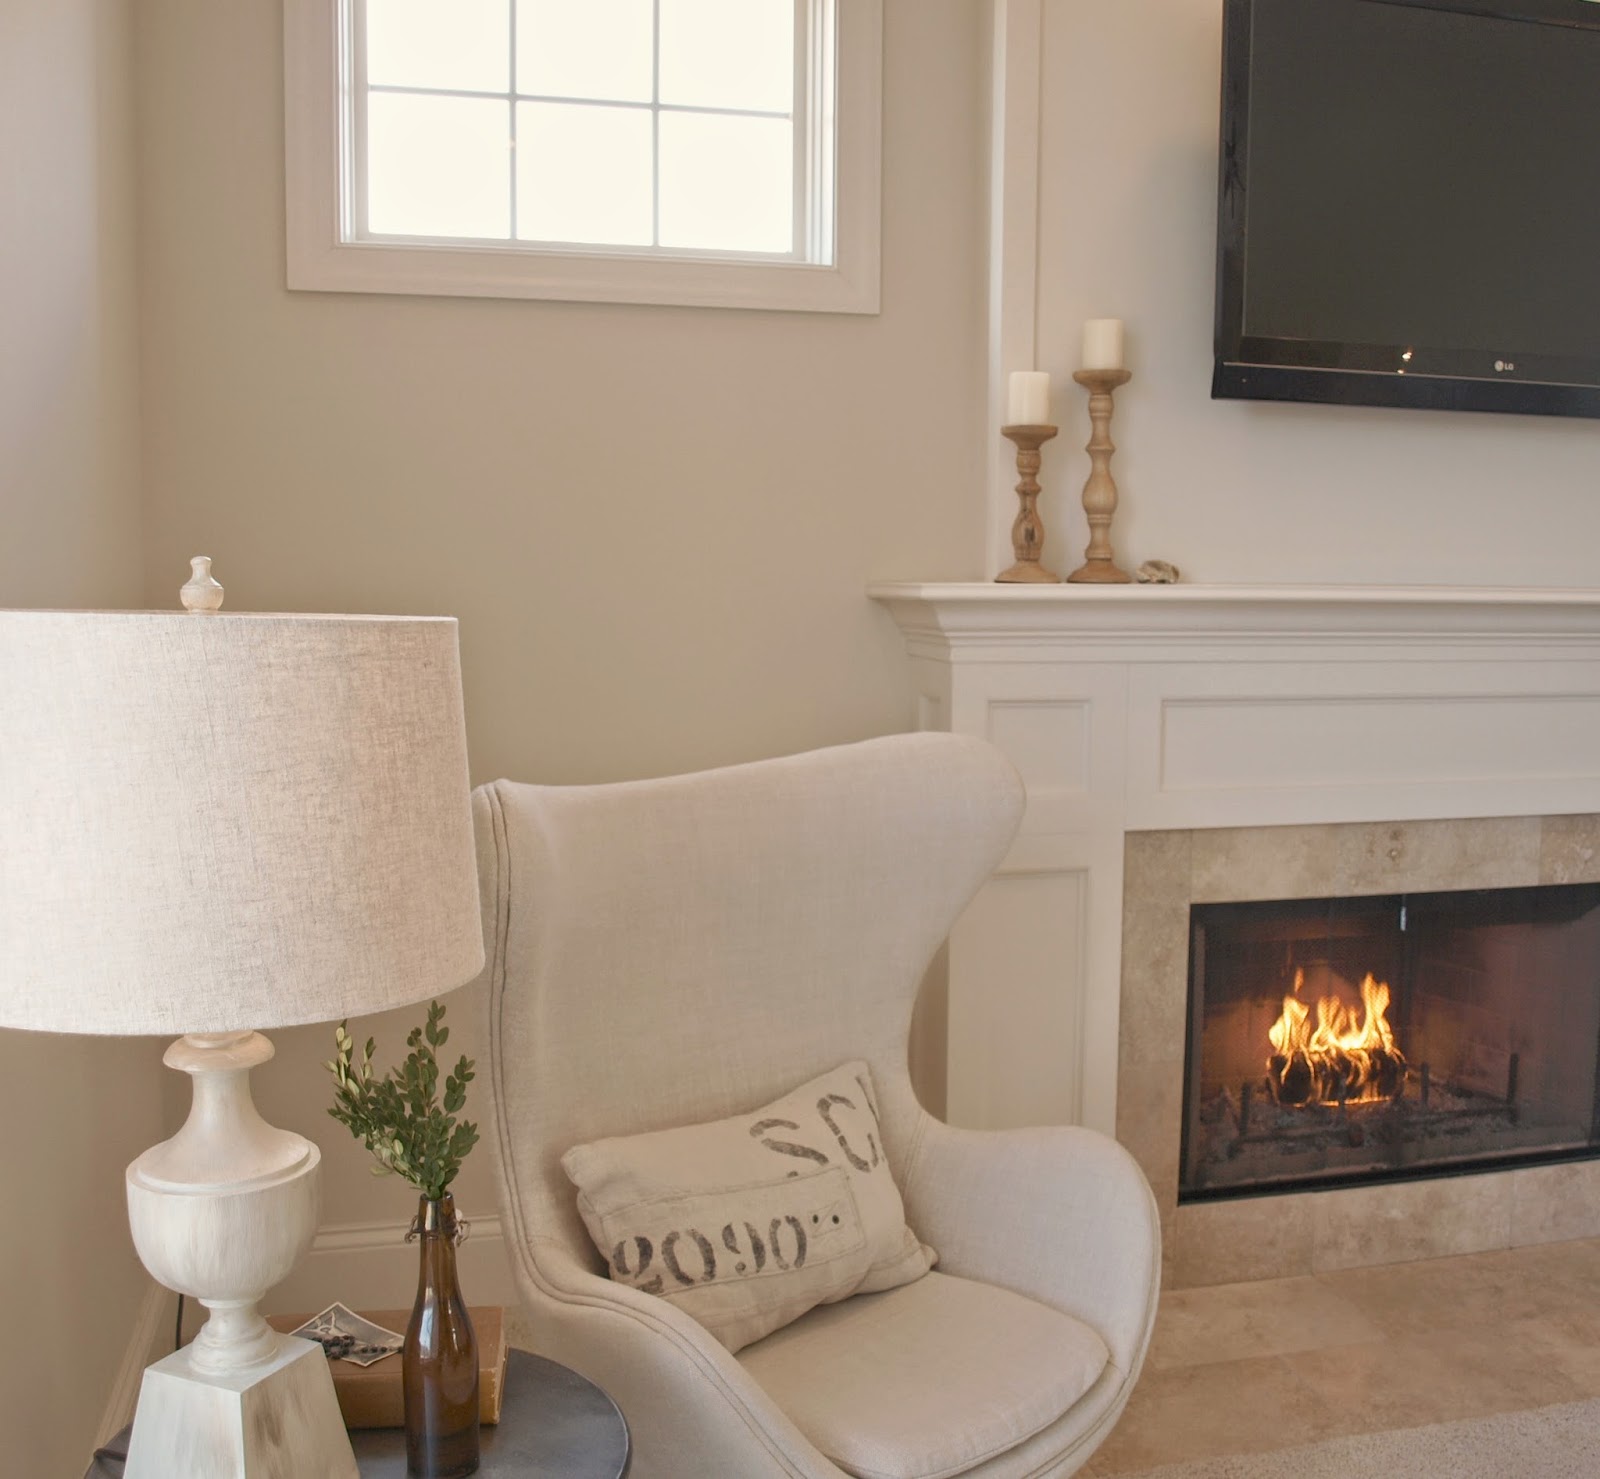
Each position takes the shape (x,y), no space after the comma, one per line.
(370,1394)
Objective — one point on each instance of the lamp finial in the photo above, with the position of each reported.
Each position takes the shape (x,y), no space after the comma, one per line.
(200,592)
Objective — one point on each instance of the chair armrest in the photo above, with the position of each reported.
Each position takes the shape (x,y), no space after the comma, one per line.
(564,1276)
(1061,1214)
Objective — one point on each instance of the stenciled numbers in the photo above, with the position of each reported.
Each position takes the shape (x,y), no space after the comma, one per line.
(687,1258)
(643,1253)
(708,1257)
(826,1112)
(690,1258)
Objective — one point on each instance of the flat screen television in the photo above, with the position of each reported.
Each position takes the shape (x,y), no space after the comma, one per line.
(1409,204)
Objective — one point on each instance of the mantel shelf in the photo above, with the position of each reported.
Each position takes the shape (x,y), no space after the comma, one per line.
(981,612)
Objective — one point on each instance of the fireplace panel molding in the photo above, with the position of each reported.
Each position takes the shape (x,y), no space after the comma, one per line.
(1265,744)
(1213,707)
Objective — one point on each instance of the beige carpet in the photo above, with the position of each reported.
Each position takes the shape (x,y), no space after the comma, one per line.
(1545,1443)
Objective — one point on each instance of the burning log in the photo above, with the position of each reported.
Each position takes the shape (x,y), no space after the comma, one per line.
(1388,1073)
(1292,1081)
(1345,1058)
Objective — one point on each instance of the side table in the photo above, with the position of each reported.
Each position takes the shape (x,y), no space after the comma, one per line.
(554,1424)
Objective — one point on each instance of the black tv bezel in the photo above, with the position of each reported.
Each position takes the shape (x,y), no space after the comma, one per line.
(1370,374)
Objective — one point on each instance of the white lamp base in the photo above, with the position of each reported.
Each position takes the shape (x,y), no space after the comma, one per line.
(223,1211)
(278,1420)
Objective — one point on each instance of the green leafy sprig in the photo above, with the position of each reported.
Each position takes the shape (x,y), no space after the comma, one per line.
(397,1115)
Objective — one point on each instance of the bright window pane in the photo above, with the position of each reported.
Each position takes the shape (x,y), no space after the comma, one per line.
(728,54)
(463,45)
(726,182)
(583,174)
(438,166)
(585,49)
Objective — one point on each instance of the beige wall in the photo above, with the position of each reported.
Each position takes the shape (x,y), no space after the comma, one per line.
(655,524)
(1231,490)
(68,388)
(75,1110)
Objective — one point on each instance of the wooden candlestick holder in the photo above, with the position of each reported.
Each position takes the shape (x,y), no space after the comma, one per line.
(1100,492)
(1027,533)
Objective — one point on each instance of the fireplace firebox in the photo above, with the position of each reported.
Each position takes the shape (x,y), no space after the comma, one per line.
(1353,1039)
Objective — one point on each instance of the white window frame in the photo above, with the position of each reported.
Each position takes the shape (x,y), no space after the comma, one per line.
(322,258)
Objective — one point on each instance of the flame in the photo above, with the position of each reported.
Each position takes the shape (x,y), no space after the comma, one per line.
(1347,1057)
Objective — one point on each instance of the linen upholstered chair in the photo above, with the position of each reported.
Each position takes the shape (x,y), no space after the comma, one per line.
(672,951)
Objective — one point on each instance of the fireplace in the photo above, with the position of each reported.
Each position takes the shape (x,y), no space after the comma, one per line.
(1206,744)
(1345,1040)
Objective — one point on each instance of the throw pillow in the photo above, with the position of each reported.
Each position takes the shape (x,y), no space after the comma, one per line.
(747,1223)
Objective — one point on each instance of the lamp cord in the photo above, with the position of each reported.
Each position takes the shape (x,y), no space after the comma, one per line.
(119,1455)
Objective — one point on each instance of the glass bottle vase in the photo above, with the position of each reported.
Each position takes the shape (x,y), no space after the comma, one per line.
(439,1361)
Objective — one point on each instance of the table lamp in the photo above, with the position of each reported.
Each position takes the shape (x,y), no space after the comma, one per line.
(209,824)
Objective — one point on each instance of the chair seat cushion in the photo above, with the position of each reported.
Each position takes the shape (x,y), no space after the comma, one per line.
(928,1379)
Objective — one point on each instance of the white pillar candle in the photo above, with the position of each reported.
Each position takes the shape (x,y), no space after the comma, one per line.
(1102,344)
(1029,401)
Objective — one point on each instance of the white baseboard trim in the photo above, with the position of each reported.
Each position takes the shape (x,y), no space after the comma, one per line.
(376,1237)
(155,1309)
(369,1265)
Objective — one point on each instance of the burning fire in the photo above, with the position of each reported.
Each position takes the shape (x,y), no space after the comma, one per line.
(1346,1058)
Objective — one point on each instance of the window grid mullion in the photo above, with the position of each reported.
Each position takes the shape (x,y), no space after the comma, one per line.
(542,97)
(655,123)
(511,106)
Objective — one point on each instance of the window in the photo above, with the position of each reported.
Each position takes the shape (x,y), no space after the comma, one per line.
(715,152)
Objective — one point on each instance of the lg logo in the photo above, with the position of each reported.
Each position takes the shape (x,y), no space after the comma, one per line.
(1503,365)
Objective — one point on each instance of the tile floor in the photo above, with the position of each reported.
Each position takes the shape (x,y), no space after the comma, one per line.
(1253,1368)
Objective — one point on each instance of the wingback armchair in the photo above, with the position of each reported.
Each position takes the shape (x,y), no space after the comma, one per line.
(672,951)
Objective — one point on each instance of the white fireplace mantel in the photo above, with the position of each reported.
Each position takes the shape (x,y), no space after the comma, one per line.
(1137,708)
(984,613)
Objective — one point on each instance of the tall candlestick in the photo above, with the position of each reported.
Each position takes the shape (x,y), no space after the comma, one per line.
(1028,403)
(1100,492)
(1102,344)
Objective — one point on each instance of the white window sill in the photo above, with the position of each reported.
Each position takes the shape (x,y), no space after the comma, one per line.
(333,266)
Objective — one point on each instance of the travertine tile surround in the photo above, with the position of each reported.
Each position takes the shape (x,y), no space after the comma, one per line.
(1316,1232)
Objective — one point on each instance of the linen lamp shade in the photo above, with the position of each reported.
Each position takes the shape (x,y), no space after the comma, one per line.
(211,824)
(212,821)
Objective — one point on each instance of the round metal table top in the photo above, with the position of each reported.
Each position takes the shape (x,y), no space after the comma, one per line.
(553,1423)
